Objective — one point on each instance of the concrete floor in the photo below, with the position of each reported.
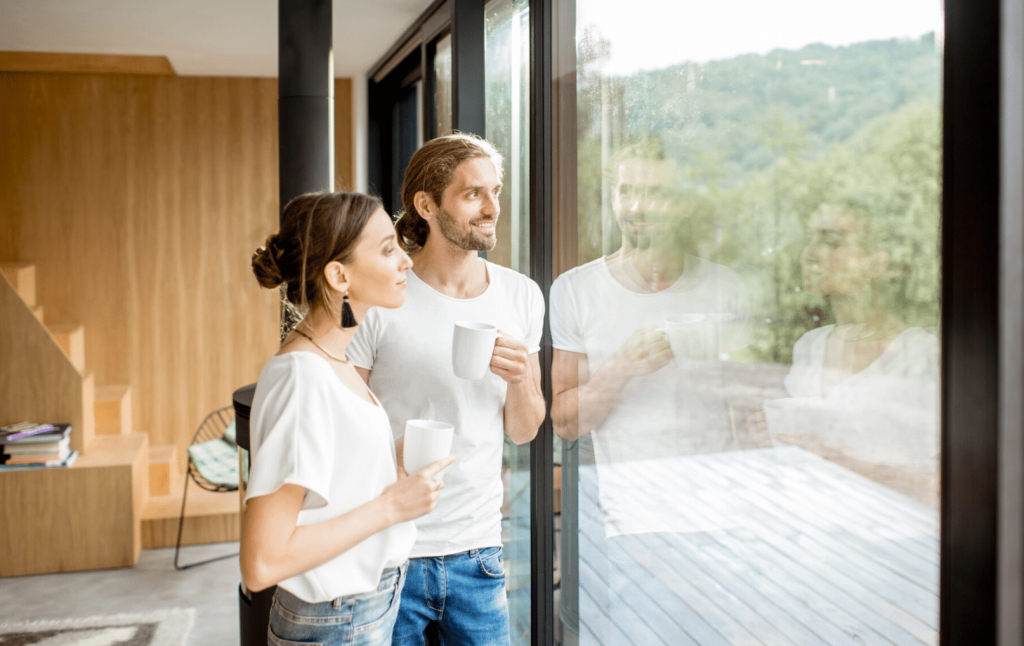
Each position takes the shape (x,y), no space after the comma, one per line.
(153,584)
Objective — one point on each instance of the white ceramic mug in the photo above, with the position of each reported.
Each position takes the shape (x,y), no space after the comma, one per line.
(686,335)
(472,348)
(426,441)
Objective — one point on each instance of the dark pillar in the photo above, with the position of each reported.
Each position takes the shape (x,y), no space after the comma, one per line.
(305,103)
(468,109)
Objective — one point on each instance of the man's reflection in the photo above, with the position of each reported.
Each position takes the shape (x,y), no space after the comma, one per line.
(640,338)
(864,391)
(632,329)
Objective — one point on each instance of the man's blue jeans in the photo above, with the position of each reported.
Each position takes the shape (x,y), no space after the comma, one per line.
(460,598)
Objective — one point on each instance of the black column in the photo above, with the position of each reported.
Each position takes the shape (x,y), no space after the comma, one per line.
(305,104)
(468,109)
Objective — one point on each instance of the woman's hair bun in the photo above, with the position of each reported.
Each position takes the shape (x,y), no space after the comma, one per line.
(264,264)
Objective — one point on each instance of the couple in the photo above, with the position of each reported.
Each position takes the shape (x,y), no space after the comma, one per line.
(330,510)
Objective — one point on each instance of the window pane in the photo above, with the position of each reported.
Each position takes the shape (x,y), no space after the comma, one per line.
(746,355)
(508,123)
(443,83)
(507,108)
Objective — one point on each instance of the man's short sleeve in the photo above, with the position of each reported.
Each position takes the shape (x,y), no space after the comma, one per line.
(565,327)
(362,349)
(292,434)
(536,318)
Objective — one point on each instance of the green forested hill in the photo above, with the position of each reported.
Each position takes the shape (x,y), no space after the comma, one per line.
(741,108)
(761,142)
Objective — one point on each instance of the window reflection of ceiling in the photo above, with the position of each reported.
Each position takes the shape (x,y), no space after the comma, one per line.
(200,37)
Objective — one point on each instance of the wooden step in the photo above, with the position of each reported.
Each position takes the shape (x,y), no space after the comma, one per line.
(209,517)
(71,338)
(85,517)
(163,465)
(39,383)
(37,311)
(113,410)
(22,275)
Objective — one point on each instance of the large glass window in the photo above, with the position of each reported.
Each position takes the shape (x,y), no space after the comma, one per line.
(746,354)
(507,39)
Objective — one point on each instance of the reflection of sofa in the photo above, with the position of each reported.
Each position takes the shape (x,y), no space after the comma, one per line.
(882,421)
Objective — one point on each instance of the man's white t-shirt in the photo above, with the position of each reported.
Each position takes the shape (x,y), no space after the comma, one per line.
(307,428)
(408,351)
(681,409)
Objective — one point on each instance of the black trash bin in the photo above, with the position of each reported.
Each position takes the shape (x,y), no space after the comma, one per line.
(253,607)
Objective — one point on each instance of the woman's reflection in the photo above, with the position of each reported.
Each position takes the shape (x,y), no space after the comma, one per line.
(864,391)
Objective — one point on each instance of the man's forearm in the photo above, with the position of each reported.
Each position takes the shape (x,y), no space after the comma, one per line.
(579,410)
(524,410)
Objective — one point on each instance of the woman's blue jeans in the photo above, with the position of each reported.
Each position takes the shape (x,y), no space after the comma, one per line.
(358,620)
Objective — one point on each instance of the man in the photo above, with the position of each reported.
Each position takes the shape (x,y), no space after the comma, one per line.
(456,581)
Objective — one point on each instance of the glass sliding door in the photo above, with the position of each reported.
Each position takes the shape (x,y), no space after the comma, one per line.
(746,323)
(507,59)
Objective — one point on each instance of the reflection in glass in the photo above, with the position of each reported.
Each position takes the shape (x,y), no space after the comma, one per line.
(506,48)
(863,390)
(746,356)
(507,98)
(443,83)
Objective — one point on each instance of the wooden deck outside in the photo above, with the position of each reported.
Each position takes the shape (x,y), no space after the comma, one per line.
(798,551)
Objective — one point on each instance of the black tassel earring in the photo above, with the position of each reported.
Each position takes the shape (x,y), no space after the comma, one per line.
(348,319)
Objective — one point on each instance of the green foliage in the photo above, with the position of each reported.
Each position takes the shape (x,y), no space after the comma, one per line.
(764,141)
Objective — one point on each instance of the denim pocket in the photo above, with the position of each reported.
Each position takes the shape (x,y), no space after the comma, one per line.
(308,614)
(274,640)
(491,562)
(371,611)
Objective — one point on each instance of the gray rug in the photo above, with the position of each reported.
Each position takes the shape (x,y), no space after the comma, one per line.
(162,628)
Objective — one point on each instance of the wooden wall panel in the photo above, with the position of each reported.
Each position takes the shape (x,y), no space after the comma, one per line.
(141,200)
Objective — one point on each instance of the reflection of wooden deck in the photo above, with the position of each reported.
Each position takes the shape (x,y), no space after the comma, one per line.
(807,553)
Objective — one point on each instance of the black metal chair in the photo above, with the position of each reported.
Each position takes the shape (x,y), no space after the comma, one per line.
(212,428)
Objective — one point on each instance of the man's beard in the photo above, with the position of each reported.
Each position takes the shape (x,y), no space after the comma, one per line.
(464,240)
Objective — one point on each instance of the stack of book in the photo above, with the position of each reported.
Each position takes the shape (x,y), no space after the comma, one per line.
(28,445)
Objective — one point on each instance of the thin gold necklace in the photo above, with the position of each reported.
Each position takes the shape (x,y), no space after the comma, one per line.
(322,348)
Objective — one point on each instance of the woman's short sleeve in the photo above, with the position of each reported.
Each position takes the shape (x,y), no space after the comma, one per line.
(292,432)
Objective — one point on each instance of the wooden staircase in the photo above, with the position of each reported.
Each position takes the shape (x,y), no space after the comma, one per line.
(122,494)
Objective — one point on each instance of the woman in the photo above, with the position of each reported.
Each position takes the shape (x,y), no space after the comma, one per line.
(328,515)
